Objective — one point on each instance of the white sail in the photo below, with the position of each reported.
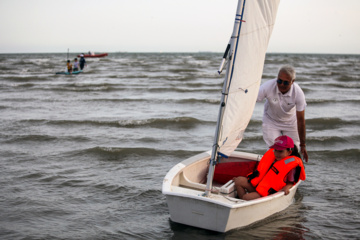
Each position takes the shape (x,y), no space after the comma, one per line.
(255,21)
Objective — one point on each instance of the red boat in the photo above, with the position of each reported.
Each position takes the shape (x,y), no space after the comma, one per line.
(94,55)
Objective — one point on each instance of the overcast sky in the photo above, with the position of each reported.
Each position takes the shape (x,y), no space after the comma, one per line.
(302,26)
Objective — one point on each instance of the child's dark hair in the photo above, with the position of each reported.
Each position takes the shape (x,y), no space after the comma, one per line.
(295,152)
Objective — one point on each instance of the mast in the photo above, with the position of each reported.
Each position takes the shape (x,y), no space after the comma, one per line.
(225,90)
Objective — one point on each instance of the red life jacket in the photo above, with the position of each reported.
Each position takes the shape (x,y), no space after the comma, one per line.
(273,180)
(263,167)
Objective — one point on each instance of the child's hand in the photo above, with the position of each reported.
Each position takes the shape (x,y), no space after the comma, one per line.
(286,189)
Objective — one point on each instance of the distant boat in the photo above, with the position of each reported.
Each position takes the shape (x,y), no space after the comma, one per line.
(67,73)
(94,55)
(199,190)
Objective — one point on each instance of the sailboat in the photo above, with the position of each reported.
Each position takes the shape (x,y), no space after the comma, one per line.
(198,191)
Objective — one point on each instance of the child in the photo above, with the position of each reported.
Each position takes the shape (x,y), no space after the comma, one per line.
(279,168)
(69,66)
(76,65)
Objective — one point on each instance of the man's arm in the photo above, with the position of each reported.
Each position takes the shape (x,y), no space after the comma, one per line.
(300,115)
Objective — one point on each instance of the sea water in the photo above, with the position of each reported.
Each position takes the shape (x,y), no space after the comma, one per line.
(84,156)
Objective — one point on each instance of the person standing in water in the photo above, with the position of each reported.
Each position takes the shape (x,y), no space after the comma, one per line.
(82,62)
(284,109)
(69,66)
(76,65)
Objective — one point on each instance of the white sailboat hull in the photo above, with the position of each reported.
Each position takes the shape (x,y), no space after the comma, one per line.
(220,211)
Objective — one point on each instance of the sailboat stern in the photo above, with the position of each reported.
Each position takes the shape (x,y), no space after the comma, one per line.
(221,214)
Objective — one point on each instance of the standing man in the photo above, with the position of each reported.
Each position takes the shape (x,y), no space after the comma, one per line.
(284,109)
(82,61)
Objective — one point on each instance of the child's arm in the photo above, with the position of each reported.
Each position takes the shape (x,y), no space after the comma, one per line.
(290,180)
(286,189)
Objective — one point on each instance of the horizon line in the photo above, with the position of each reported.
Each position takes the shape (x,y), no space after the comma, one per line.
(317,53)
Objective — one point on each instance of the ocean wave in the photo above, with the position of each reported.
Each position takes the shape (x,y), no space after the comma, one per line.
(29,138)
(204,77)
(33,138)
(331,101)
(36,175)
(83,88)
(118,154)
(25,78)
(348,78)
(203,84)
(111,188)
(182,89)
(332,140)
(76,87)
(150,194)
(24,85)
(177,122)
(193,100)
(329,123)
(183,70)
(157,101)
(254,125)
(352,85)
(4,69)
(348,156)
(124,76)
(73,183)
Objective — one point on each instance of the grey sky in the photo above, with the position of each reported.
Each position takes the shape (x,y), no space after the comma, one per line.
(303,26)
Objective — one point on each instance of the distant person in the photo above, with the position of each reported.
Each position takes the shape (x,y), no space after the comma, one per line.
(284,109)
(279,169)
(82,62)
(76,65)
(69,66)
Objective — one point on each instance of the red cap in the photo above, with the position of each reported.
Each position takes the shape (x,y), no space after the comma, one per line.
(282,143)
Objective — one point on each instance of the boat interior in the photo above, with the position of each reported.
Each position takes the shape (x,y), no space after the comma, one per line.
(194,176)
